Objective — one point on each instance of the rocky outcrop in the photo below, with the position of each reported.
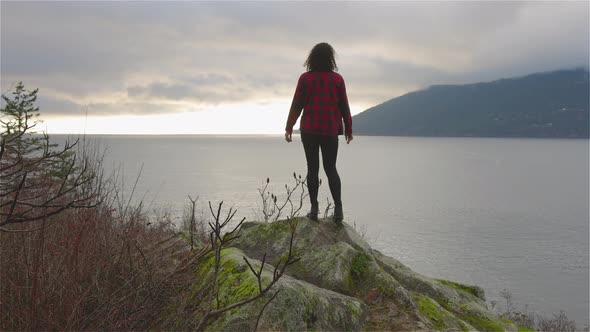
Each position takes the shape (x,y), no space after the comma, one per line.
(340,283)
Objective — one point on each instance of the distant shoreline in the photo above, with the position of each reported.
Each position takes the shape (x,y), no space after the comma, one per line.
(280,135)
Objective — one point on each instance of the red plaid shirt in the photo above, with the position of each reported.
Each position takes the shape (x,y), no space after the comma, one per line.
(322,96)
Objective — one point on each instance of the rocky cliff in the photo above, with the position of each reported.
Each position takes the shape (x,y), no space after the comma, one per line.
(339,284)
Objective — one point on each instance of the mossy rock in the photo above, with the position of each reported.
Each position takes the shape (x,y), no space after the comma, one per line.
(297,306)
(431,311)
(338,282)
(332,256)
(470,289)
(483,320)
(439,317)
(433,288)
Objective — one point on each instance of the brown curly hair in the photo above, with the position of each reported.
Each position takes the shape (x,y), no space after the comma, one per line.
(321,58)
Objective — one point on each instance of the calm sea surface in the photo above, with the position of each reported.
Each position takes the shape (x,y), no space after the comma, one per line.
(499,213)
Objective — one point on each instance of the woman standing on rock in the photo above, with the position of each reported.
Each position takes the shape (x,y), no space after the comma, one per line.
(321,94)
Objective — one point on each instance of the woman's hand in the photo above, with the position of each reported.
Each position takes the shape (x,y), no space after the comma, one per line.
(288,137)
(348,138)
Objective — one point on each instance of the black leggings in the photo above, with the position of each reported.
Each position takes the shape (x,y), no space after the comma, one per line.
(329,146)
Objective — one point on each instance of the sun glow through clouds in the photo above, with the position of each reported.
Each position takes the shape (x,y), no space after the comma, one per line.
(243,118)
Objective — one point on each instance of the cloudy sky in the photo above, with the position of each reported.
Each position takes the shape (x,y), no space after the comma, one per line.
(231,67)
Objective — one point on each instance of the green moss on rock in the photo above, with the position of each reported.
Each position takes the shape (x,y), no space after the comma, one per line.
(298,306)
(430,311)
(464,327)
(273,229)
(473,290)
(235,281)
(481,323)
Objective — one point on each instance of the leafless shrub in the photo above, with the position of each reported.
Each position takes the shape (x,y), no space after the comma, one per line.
(524,318)
(532,320)
(193,225)
(329,207)
(507,296)
(273,209)
(88,269)
(362,229)
(218,241)
(559,322)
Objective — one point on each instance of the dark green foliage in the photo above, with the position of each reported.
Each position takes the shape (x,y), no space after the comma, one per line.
(18,119)
(552,104)
(18,111)
(359,265)
(40,179)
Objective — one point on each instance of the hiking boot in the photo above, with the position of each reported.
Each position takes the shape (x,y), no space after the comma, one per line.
(338,213)
(313,213)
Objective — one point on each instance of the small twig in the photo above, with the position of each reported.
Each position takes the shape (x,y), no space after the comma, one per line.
(192,221)
(264,307)
(328,208)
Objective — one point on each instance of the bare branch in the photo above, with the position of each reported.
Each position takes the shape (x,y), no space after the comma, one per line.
(264,307)
(215,236)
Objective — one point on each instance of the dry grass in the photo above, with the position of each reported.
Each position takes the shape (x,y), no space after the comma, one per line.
(88,269)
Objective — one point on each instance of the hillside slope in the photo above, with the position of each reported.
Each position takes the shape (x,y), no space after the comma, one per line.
(550,104)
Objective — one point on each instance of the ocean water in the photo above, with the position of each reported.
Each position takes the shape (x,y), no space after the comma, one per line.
(499,213)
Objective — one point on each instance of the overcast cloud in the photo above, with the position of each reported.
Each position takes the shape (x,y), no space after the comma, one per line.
(156,57)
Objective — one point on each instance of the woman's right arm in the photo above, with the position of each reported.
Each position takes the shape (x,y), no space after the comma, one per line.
(296,107)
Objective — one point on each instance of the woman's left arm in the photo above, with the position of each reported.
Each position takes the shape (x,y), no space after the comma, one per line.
(345,113)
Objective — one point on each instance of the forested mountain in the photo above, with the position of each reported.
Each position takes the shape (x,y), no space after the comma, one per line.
(549,104)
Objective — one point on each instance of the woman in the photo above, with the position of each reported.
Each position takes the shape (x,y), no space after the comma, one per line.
(321,94)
